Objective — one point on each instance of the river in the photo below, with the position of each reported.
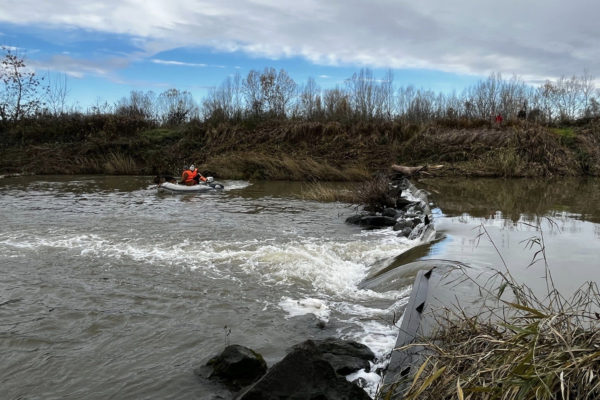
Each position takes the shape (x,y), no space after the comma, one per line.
(110,290)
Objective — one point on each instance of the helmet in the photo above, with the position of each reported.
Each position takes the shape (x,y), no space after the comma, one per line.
(185,167)
(192,167)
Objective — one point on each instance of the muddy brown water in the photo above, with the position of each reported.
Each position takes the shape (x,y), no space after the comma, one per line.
(111,290)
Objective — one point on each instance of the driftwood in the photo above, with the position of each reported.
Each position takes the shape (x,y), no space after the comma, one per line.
(410,171)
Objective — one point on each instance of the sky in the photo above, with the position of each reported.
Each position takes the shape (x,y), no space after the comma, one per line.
(106,49)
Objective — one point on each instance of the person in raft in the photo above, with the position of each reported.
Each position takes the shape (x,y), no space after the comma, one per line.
(191,176)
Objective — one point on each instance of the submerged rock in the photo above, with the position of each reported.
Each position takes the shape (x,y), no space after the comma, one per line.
(371,221)
(238,366)
(403,223)
(405,232)
(303,374)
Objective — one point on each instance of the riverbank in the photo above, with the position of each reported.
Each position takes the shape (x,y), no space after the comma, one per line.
(293,150)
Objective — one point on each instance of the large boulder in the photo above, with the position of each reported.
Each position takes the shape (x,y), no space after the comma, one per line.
(303,375)
(345,356)
(238,366)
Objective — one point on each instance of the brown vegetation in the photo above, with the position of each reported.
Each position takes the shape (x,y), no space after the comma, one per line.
(266,126)
(515,345)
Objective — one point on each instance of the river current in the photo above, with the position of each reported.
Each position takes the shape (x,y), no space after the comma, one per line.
(111,290)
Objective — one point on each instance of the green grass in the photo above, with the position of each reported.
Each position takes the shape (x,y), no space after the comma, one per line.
(566,136)
(159,135)
(564,132)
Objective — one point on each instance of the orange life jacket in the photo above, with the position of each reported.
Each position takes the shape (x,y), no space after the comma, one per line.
(188,176)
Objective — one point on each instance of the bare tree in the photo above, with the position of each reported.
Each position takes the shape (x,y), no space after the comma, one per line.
(56,95)
(283,93)
(176,107)
(336,104)
(138,105)
(20,94)
(310,104)
(405,97)
(362,92)
(251,89)
(387,95)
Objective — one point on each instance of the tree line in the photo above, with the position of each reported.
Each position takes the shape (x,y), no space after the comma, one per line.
(272,94)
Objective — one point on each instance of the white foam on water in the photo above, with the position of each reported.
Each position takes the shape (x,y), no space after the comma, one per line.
(323,274)
(235,185)
(318,308)
(331,267)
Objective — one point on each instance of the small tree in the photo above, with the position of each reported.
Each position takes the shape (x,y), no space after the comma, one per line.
(20,91)
(176,107)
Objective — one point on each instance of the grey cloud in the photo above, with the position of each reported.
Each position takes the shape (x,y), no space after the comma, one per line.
(534,39)
(77,68)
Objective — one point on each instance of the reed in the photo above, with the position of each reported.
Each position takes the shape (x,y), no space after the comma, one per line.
(520,346)
(326,193)
(119,164)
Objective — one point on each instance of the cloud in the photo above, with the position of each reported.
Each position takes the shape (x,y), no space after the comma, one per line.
(511,36)
(12,49)
(177,63)
(79,68)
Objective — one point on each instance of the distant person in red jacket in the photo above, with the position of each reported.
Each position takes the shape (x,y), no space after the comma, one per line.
(499,118)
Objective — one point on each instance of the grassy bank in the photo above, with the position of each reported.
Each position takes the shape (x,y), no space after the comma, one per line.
(508,341)
(524,348)
(295,150)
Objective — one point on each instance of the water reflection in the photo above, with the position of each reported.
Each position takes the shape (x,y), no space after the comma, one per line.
(515,216)
(517,199)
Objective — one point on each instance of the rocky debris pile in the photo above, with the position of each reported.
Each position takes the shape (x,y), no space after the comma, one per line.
(314,369)
(410,216)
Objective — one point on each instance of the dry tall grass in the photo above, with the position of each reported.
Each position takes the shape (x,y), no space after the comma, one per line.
(282,167)
(326,193)
(519,347)
(119,164)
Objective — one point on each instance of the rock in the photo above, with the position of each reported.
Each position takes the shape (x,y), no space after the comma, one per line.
(371,221)
(346,356)
(399,225)
(354,219)
(360,382)
(415,222)
(402,203)
(389,212)
(404,223)
(419,207)
(405,232)
(417,232)
(303,374)
(238,366)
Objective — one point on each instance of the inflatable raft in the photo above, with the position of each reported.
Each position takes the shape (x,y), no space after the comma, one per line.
(208,186)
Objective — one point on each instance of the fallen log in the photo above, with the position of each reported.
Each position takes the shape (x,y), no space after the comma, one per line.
(410,171)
